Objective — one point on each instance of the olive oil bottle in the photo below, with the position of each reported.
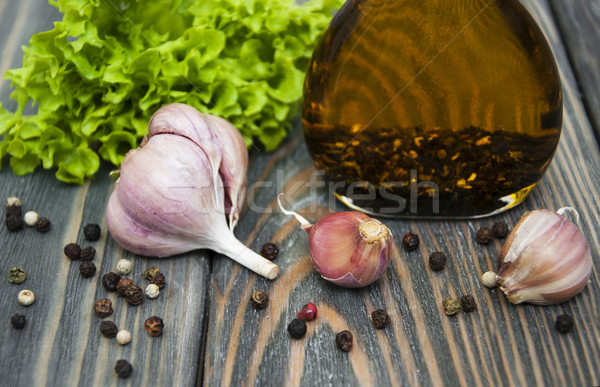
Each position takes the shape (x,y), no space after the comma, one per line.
(432,108)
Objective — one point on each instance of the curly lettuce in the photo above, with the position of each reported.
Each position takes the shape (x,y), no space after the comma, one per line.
(99,75)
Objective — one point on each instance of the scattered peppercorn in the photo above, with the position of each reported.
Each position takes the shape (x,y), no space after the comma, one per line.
(468,303)
(259,299)
(43,225)
(87,269)
(13,210)
(87,253)
(134,295)
(123,337)
(26,297)
(380,318)
(500,230)
(18,321)
(31,218)
(484,235)
(489,279)
(13,201)
(151,272)
(343,340)
(123,368)
(124,266)
(154,326)
(297,328)
(269,251)
(451,306)
(110,281)
(152,291)
(72,251)
(564,323)
(16,275)
(437,260)
(158,280)
(91,232)
(410,241)
(308,312)
(123,284)
(14,223)
(108,329)
(103,307)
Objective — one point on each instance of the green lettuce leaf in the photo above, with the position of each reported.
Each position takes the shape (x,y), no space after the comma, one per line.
(103,70)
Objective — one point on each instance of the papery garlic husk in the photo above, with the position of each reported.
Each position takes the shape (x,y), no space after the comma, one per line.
(212,134)
(545,260)
(167,201)
(349,249)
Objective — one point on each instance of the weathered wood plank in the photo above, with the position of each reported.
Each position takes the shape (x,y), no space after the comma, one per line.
(579,23)
(499,344)
(61,344)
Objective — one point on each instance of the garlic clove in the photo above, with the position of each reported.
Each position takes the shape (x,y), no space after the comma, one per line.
(545,260)
(234,165)
(349,249)
(186,121)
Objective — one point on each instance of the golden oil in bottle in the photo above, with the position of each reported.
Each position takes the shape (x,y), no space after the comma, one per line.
(432,108)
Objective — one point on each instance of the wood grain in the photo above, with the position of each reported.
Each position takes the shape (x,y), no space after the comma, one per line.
(499,344)
(579,25)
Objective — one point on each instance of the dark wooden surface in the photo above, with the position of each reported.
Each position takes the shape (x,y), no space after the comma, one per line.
(213,336)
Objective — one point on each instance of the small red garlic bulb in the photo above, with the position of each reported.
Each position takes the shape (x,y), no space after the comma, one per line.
(349,249)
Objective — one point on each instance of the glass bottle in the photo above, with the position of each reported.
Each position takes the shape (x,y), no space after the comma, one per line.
(432,108)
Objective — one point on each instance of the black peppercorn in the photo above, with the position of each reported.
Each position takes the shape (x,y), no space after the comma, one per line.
(91,232)
(437,260)
(123,368)
(269,251)
(484,235)
(72,251)
(14,223)
(564,323)
(154,326)
(110,281)
(87,253)
(151,272)
(259,299)
(467,302)
(108,329)
(380,318)
(410,241)
(123,284)
(158,280)
(18,321)
(134,295)
(13,210)
(103,307)
(343,340)
(500,230)
(87,269)
(43,225)
(297,328)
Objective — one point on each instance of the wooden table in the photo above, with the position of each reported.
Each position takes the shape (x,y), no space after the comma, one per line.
(213,335)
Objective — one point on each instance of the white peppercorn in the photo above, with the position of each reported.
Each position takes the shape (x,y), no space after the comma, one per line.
(152,291)
(124,267)
(489,279)
(13,201)
(31,218)
(26,297)
(123,337)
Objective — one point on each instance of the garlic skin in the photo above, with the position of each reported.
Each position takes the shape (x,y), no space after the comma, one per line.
(212,134)
(168,199)
(545,260)
(349,249)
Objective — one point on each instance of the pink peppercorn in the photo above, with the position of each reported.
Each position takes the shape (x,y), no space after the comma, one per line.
(309,312)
